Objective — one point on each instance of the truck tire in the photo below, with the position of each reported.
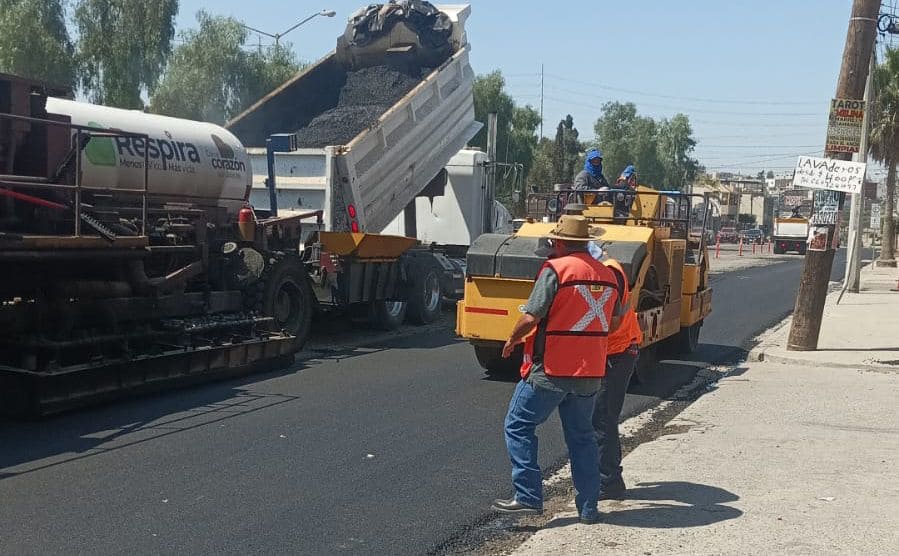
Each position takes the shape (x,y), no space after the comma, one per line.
(425,295)
(684,342)
(802,249)
(386,315)
(490,358)
(285,295)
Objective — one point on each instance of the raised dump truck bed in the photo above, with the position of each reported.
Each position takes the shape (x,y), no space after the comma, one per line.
(380,170)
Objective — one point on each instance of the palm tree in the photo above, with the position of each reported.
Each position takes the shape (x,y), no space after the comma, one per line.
(884,140)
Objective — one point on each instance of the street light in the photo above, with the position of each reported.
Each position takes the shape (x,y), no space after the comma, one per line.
(277,36)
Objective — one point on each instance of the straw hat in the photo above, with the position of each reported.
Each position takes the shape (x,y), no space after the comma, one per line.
(574,228)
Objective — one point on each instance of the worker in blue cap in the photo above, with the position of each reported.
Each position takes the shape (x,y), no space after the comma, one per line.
(591,178)
(627,178)
(624,185)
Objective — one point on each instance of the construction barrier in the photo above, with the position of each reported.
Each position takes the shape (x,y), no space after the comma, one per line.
(718,248)
(741,247)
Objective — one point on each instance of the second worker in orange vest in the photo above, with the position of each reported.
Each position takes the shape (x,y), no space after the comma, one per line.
(623,350)
(565,327)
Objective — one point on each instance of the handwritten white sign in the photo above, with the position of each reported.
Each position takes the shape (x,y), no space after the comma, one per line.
(827,173)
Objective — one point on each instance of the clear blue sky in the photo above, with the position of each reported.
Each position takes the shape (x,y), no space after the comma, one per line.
(755,77)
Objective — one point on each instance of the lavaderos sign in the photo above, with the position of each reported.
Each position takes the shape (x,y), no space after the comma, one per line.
(827,173)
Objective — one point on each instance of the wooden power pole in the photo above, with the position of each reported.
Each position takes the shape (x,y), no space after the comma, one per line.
(860,39)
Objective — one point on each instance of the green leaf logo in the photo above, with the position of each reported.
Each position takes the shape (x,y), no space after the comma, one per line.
(99,150)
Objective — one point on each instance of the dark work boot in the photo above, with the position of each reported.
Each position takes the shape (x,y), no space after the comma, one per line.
(614,491)
(513,506)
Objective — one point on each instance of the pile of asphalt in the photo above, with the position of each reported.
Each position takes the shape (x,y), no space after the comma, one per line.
(367,94)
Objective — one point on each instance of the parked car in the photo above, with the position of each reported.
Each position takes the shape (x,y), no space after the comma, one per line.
(697,233)
(728,235)
(752,236)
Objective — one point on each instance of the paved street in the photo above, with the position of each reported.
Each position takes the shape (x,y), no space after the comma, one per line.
(393,448)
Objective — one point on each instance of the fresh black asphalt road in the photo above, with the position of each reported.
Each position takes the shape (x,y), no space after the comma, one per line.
(391,449)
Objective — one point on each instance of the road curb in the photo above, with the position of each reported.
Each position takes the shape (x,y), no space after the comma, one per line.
(762,356)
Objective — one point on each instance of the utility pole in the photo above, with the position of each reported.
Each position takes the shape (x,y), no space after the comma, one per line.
(491,170)
(809,308)
(541,101)
(853,262)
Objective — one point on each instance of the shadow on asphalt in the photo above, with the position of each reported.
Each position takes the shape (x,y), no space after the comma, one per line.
(668,505)
(661,377)
(98,430)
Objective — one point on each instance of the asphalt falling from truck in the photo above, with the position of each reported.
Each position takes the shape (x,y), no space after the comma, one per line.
(367,94)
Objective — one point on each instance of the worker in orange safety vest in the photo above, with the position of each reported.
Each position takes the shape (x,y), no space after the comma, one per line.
(572,309)
(623,351)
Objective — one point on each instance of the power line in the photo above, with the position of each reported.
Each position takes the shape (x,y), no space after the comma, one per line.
(698,110)
(792,155)
(676,97)
(693,120)
(757,146)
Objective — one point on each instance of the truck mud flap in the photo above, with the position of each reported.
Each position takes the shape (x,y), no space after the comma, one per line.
(28,394)
(362,282)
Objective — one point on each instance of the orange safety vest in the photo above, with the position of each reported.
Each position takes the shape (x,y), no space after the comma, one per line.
(629,331)
(572,340)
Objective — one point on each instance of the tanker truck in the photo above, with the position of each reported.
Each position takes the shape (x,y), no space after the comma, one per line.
(131,258)
(373,135)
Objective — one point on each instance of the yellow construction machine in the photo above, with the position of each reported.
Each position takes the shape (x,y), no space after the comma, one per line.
(649,232)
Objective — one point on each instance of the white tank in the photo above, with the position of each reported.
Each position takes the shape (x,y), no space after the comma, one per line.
(191,162)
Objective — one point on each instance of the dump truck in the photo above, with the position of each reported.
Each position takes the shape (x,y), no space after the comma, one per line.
(790,234)
(373,136)
(667,270)
(131,259)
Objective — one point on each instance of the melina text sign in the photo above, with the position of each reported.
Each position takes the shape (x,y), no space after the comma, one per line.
(844,127)
(827,173)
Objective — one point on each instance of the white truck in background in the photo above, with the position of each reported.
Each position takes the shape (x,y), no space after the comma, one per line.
(790,234)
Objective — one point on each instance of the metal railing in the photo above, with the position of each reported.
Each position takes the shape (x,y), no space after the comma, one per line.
(80,133)
(681,217)
(554,203)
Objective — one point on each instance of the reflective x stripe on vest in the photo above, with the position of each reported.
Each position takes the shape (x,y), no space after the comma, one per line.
(595,310)
(571,340)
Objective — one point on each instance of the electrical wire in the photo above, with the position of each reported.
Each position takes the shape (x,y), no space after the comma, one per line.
(696,110)
(687,98)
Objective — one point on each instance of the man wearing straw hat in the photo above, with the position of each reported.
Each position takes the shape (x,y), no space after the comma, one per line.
(564,327)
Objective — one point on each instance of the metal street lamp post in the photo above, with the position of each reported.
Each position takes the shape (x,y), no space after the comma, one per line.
(277,36)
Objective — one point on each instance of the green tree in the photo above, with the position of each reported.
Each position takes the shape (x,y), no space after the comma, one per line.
(490,96)
(522,141)
(516,134)
(628,138)
(568,151)
(884,141)
(34,41)
(123,46)
(543,171)
(210,77)
(661,151)
(675,145)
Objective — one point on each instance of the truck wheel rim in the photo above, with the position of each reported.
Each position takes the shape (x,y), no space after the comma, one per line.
(287,309)
(432,292)
(394,308)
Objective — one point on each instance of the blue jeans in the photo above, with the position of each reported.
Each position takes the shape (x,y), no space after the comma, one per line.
(609,401)
(532,406)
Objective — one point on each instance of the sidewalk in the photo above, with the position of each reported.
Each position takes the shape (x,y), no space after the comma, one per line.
(795,454)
